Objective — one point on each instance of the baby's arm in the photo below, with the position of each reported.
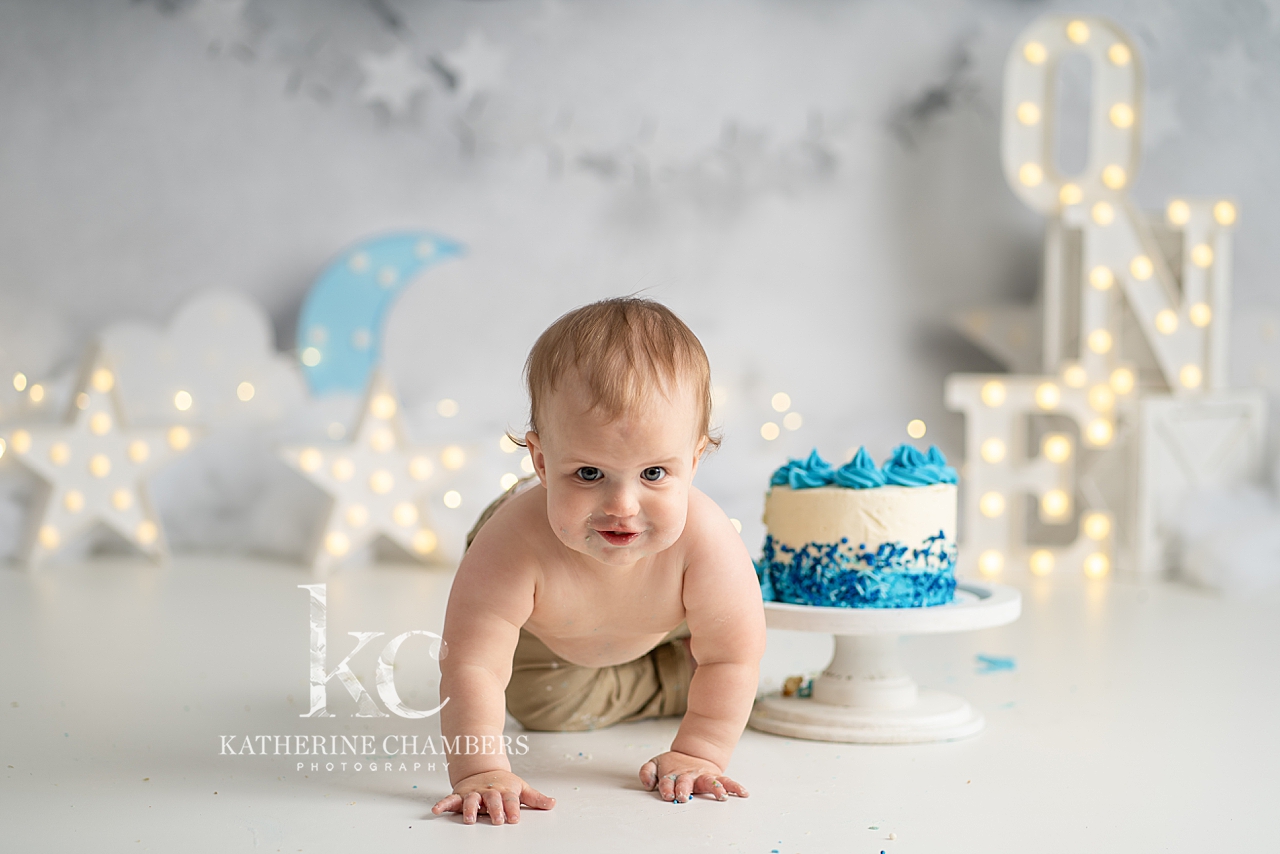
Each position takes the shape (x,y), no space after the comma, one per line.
(491,598)
(726,622)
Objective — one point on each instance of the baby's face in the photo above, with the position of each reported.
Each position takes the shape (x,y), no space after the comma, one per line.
(617,491)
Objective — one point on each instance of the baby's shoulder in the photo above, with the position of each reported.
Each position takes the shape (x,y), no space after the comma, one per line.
(516,527)
(706,525)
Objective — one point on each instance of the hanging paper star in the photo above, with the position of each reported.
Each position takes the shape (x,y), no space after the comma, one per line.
(392,79)
(95,469)
(478,62)
(375,482)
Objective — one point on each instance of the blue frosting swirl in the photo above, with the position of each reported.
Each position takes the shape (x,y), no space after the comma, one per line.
(806,474)
(908,467)
(860,472)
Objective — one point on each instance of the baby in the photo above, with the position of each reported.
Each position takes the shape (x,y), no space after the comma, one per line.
(609,589)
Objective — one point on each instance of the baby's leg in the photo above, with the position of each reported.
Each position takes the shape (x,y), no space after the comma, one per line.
(549,694)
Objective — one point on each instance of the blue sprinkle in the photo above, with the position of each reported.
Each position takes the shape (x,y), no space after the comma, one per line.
(994,663)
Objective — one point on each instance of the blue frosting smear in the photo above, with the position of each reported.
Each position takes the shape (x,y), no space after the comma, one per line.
(837,575)
(804,474)
(860,472)
(908,467)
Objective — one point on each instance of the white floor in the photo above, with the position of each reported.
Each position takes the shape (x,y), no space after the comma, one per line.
(1137,719)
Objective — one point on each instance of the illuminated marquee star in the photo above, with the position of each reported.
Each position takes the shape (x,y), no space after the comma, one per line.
(95,471)
(375,482)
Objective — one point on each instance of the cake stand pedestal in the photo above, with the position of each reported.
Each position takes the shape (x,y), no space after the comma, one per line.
(864,695)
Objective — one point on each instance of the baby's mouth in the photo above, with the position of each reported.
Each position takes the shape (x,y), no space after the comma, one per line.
(618,538)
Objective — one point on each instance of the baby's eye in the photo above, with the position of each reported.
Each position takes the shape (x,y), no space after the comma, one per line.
(653,473)
(590,473)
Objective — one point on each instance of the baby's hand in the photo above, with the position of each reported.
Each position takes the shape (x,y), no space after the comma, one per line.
(679,776)
(499,793)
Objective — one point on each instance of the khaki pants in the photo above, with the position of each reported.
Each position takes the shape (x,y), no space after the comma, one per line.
(550,694)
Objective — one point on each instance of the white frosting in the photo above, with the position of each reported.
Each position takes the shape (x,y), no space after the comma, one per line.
(870,517)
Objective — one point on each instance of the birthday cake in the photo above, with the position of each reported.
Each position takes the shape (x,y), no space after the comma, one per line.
(861,536)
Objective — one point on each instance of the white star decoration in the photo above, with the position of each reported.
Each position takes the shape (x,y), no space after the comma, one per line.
(94,469)
(375,482)
(479,64)
(392,79)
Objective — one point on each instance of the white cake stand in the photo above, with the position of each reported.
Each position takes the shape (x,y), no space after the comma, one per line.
(864,695)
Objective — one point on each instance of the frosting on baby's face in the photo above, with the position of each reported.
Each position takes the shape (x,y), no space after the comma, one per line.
(617,489)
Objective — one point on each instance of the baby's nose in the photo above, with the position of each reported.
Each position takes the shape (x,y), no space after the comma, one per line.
(621,501)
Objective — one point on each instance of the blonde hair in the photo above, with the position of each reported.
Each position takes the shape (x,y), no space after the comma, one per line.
(623,349)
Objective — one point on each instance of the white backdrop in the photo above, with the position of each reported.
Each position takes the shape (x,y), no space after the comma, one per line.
(814,187)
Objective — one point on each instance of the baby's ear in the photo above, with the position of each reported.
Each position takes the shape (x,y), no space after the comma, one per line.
(534,444)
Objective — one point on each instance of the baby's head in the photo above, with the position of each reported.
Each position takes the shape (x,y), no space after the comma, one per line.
(619,415)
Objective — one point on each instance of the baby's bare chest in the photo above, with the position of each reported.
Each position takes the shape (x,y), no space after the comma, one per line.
(610,617)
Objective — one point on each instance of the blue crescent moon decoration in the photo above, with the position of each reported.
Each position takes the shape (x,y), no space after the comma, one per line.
(340,325)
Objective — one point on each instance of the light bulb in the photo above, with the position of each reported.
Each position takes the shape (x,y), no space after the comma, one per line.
(1075,376)
(990,562)
(737,525)
(1178,212)
(100,423)
(1099,341)
(1103,213)
(245,391)
(73,501)
(381,481)
(1056,448)
(993,451)
(99,465)
(36,393)
(1070,194)
(1190,376)
(424,542)
(792,421)
(1078,32)
(1048,396)
(1121,115)
(1114,177)
(383,406)
(1041,562)
(526,464)
(453,458)
(1055,503)
(1099,432)
(991,505)
(405,515)
(769,431)
(993,393)
(452,499)
(182,401)
(1202,255)
(59,453)
(311,357)
(1028,113)
(781,402)
(102,380)
(122,499)
(1200,314)
(1035,53)
(508,480)
(447,408)
(336,543)
(1097,526)
(82,401)
(342,469)
(357,515)
(1166,321)
(507,445)
(1122,381)
(49,538)
(146,532)
(21,441)
(20,381)
(179,437)
(1141,267)
(1224,213)
(1119,54)
(1030,174)
(1101,398)
(382,440)
(420,468)
(1097,565)
(916,428)
(310,460)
